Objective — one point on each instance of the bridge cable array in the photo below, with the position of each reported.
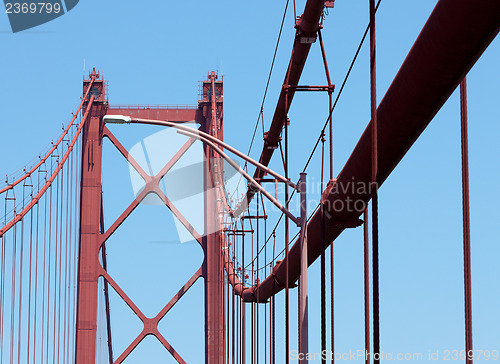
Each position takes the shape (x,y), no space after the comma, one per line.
(39,257)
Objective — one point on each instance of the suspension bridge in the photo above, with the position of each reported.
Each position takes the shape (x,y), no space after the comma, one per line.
(258,237)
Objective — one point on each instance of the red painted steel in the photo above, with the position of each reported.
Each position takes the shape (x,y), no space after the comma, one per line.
(178,114)
(303,280)
(150,324)
(441,56)
(466,222)
(243,312)
(214,278)
(366,284)
(332,262)
(287,231)
(307,27)
(90,219)
(374,187)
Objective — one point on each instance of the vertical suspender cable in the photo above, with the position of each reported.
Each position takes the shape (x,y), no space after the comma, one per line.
(265,275)
(233,308)
(266,305)
(242,329)
(2,283)
(332,302)
(56,264)
(69,258)
(21,259)
(332,262)
(66,248)
(75,245)
(273,310)
(252,316)
(257,270)
(59,274)
(69,228)
(466,222)
(366,264)
(12,315)
(373,104)
(56,242)
(35,320)
(323,260)
(12,307)
(228,318)
(49,253)
(323,253)
(2,286)
(30,271)
(238,308)
(287,238)
(236,304)
(44,266)
(243,319)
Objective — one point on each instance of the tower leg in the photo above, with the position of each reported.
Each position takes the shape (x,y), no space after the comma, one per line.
(88,258)
(213,268)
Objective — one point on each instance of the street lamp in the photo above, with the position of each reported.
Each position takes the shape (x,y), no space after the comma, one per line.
(117,119)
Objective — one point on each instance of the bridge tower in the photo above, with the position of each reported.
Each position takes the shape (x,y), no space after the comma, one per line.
(212,108)
(209,114)
(90,219)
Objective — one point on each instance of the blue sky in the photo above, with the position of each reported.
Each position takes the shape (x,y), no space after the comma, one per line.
(156,52)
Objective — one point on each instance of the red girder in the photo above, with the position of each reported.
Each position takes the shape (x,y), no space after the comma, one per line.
(151,186)
(308,26)
(150,324)
(177,113)
(453,38)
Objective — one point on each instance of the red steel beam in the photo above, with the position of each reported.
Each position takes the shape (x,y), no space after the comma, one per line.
(150,324)
(308,25)
(179,114)
(453,38)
